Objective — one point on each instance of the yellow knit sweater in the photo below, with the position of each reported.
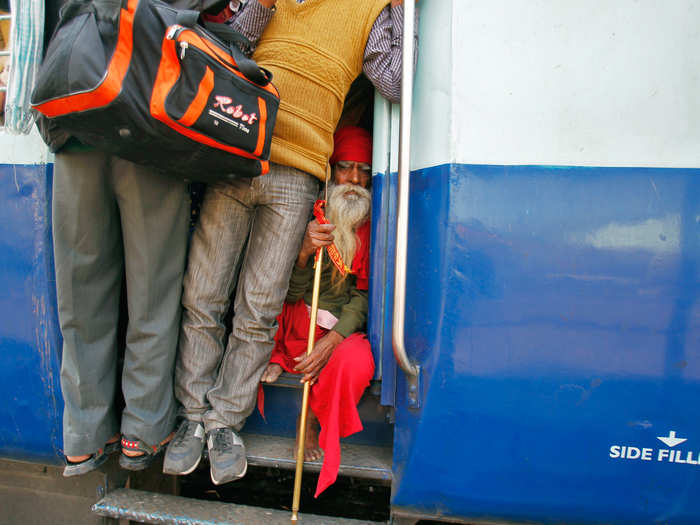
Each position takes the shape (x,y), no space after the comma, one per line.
(314,50)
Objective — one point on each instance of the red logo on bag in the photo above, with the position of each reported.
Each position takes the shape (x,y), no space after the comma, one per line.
(225,105)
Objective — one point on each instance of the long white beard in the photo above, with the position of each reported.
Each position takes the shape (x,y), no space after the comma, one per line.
(348,208)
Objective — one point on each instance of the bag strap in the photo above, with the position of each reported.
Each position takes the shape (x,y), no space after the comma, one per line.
(227,33)
(247,66)
(106,12)
(187,18)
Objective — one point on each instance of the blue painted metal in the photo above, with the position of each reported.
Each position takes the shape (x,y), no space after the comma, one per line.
(555,314)
(282,404)
(381,290)
(31,408)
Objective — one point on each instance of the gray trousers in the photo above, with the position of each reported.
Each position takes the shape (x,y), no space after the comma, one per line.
(113,218)
(249,231)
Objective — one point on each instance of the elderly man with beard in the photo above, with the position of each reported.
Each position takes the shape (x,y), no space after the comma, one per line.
(341,364)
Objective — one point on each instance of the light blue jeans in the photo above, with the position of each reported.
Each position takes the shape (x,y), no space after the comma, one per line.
(249,232)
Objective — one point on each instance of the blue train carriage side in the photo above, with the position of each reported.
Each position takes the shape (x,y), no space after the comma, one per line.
(553,266)
(552,269)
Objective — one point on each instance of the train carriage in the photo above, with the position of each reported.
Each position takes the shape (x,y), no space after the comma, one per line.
(549,279)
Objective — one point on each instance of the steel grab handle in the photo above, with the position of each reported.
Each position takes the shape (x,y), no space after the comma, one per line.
(403,192)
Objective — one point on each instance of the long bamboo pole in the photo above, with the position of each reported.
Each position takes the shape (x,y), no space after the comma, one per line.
(305,399)
(309,348)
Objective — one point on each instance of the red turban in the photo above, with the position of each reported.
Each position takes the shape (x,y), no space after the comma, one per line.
(352,144)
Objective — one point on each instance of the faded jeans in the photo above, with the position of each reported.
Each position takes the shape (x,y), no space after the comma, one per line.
(249,231)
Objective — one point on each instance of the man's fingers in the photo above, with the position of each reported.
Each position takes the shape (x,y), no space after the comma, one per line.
(315,226)
(310,377)
(305,365)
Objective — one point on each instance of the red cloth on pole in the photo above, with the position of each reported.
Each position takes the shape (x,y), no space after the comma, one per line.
(340,384)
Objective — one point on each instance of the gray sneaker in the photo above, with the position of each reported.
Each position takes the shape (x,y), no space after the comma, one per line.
(226,455)
(185,450)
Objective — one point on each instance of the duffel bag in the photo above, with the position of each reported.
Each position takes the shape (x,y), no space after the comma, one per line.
(144,81)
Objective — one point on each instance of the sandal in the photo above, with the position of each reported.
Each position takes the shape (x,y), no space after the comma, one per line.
(143,460)
(93,462)
(87,465)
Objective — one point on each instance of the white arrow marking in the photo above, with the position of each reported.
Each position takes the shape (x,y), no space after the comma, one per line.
(671,440)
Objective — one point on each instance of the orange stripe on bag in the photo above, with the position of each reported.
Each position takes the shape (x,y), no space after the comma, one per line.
(200,100)
(167,75)
(111,86)
(262,108)
(220,55)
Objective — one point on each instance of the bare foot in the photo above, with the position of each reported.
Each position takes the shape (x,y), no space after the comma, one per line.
(136,453)
(85,457)
(312,452)
(271,373)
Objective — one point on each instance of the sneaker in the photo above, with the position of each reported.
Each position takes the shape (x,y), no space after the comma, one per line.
(185,450)
(226,455)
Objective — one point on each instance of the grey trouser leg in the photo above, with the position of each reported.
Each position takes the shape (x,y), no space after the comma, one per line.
(255,227)
(111,216)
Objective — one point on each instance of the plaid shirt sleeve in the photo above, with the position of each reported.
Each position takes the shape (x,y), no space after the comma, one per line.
(250,20)
(382,59)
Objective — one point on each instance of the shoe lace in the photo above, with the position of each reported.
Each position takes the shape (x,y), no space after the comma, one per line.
(184,431)
(223,440)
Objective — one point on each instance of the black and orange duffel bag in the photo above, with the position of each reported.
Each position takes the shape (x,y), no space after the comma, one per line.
(144,81)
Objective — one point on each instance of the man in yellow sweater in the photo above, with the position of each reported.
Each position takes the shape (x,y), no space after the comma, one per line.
(249,231)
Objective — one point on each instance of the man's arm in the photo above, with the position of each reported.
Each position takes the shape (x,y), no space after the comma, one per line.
(382,58)
(353,317)
(252,20)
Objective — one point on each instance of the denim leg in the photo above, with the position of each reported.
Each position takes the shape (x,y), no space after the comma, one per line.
(215,254)
(154,211)
(284,199)
(89,268)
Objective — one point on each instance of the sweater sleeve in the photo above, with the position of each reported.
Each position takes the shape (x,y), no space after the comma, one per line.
(301,280)
(353,315)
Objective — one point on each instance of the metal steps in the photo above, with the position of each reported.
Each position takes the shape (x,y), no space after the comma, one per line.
(359,461)
(149,507)
(266,450)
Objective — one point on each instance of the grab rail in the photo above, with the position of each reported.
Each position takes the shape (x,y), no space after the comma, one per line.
(403,193)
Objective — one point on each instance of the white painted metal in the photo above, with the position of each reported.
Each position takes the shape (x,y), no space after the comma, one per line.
(23,149)
(578,83)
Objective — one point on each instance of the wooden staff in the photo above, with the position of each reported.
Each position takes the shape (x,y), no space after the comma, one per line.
(305,399)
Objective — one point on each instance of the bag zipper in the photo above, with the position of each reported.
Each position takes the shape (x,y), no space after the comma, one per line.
(175,31)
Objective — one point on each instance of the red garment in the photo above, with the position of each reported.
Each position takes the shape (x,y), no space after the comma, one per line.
(223,17)
(334,397)
(360,263)
(353,144)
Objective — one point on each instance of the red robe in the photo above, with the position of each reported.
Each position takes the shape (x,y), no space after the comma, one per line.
(342,381)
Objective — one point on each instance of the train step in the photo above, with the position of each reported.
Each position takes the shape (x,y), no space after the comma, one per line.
(283,404)
(150,507)
(359,461)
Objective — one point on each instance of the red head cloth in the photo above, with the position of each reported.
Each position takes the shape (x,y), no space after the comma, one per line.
(352,144)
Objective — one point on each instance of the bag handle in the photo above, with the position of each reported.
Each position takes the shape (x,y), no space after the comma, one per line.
(247,66)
